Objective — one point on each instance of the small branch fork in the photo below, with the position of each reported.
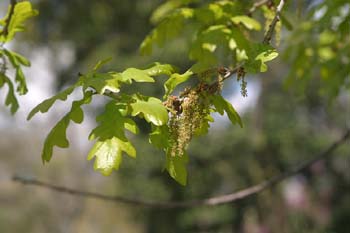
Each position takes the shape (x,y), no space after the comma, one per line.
(213,201)
(268,35)
(226,72)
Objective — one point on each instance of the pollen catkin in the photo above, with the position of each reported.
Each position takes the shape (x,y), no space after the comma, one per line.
(188,113)
(183,125)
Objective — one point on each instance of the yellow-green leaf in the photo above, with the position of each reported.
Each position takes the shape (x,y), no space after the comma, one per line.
(174,80)
(22,11)
(108,154)
(152,109)
(247,21)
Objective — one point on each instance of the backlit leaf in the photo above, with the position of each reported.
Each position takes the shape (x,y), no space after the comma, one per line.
(164,9)
(137,75)
(47,104)
(102,82)
(22,11)
(248,22)
(108,154)
(259,54)
(152,109)
(112,123)
(174,80)
(159,69)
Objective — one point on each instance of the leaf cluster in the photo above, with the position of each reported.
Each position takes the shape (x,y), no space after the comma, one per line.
(222,29)
(320,47)
(12,23)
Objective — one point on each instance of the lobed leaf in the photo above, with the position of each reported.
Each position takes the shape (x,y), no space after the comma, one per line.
(21,81)
(259,54)
(247,21)
(108,154)
(17,60)
(174,80)
(11,99)
(159,69)
(47,104)
(102,82)
(112,123)
(57,136)
(137,75)
(152,109)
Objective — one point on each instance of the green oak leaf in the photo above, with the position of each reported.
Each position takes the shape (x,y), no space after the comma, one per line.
(17,60)
(152,109)
(259,54)
(112,123)
(108,154)
(57,136)
(176,167)
(266,56)
(174,80)
(131,126)
(47,104)
(247,21)
(22,11)
(137,75)
(222,105)
(20,79)
(11,99)
(102,82)
(159,69)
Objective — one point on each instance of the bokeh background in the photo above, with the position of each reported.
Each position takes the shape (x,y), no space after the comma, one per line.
(282,127)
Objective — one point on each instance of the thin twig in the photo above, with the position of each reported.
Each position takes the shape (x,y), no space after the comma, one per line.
(213,201)
(268,35)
